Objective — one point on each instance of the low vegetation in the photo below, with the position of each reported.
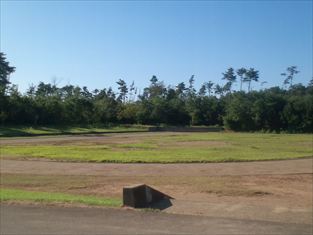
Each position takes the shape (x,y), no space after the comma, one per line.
(165,147)
(49,197)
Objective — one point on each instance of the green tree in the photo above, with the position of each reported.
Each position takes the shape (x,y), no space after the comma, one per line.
(241,73)
(154,80)
(251,75)
(202,90)
(132,91)
(310,84)
(238,115)
(209,87)
(218,90)
(191,89)
(230,78)
(5,71)
(227,87)
(180,89)
(291,71)
(105,107)
(122,86)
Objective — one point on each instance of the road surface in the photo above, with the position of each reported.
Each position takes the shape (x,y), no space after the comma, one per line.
(22,219)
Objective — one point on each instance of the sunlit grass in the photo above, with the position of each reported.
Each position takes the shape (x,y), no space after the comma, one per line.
(165,148)
(48,197)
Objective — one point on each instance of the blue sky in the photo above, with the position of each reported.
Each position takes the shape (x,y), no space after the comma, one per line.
(95,43)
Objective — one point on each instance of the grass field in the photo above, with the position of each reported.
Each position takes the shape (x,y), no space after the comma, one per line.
(55,130)
(167,148)
(48,197)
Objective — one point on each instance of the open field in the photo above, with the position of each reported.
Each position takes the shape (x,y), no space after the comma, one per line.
(59,171)
(161,147)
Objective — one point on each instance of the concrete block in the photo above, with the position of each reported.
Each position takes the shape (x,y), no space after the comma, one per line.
(142,196)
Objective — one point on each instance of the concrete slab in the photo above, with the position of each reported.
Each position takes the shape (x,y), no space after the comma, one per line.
(142,196)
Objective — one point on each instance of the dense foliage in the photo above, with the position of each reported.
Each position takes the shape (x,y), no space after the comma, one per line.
(274,109)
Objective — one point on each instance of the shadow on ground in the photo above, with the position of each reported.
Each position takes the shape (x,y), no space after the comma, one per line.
(162,204)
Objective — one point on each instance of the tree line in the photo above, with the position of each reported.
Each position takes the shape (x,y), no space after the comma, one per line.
(288,108)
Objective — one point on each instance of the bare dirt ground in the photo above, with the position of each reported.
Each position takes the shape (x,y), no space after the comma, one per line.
(39,166)
(279,191)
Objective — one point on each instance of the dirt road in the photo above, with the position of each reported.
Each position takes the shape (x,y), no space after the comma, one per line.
(55,220)
(299,166)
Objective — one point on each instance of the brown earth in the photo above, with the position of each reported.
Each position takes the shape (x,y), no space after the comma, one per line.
(278,191)
(41,166)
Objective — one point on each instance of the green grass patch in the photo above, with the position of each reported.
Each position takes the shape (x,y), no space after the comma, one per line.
(47,197)
(137,146)
(14,131)
(173,148)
